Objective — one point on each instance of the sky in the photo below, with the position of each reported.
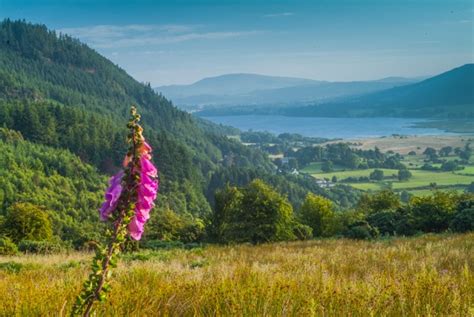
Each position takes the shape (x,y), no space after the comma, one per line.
(180,42)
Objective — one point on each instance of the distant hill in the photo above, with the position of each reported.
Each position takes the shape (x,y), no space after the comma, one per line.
(448,95)
(250,89)
(231,84)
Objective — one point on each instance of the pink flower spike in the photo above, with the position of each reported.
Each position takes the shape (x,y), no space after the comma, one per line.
(147,167)
(111,196)
(136,228)
(145,148)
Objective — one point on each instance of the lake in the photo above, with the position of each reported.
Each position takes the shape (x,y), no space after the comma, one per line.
(345,128)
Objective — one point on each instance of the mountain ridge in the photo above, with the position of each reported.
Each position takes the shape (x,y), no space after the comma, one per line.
(255,89)
(449,94)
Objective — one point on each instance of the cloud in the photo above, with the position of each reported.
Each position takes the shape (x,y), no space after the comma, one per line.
(134,35)
(278,15)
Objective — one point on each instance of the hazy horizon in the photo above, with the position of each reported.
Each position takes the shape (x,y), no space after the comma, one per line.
(185,41)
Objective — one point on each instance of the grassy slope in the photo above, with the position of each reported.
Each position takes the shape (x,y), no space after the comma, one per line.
(429,275)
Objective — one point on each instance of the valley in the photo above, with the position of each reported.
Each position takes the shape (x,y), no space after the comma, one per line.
(123,193)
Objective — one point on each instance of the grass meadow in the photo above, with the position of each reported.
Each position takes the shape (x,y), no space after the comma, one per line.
(420,178)
(430,275)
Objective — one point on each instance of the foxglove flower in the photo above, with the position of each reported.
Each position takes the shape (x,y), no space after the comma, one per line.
(128,201)
(111,196)
(146,193)
(147,188)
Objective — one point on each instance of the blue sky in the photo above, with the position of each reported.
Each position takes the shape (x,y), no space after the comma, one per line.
(168,42)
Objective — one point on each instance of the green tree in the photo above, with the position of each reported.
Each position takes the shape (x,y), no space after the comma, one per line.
(327,166)
(376,175)
(463,220)
(266,214)
(445,150)
(470,188)
(404,174)
(25,221)
(317,212)
(382,200)
(255,213)
(433,213)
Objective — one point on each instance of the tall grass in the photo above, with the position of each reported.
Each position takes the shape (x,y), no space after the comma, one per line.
(425,276)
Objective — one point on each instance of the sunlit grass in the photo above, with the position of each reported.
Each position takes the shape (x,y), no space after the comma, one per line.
(425,276)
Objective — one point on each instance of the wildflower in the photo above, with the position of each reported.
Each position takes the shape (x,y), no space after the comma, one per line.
(111,196)
(128,202)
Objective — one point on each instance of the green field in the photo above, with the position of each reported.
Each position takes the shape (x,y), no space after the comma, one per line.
(468,170)
(354,173)
(424,178)
(420,179)
(315,167)
(430,275)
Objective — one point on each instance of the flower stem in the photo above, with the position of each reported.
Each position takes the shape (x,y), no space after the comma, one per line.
(96,286)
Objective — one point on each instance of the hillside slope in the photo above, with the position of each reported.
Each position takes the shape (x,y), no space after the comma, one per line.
(448,95)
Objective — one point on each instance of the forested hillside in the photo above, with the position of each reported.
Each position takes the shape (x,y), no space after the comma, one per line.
(57,92)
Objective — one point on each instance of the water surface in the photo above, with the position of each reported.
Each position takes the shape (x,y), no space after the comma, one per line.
(346,128)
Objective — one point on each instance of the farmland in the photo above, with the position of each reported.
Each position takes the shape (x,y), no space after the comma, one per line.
(429,275)
(419,179)
(411,149)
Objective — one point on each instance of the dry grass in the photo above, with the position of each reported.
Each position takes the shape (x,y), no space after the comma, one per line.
(405,144)
(425,276)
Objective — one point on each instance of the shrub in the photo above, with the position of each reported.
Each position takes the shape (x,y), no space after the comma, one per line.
(255,213)
(376,175)
(382,200)
(40,247)
(7,247)
(25,221)
(361,230)
(316,212)
(385,221)
(404,174)
(463,220)
(160,244)
(302,232)
(433,213)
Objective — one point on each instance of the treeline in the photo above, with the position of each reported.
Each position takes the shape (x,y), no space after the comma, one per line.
(257,213)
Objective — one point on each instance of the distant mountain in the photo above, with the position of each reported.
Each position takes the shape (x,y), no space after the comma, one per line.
(251,89)
(231,84)
(448,95)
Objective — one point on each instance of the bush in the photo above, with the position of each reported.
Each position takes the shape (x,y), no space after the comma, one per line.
(41,247)
(385,221)
(7,247)
(361,230)
(317,212)
(404,174)
(255,213)
(302,232)
(463,221)
(160,244)
(376,175)
(434,213)
(25,221)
